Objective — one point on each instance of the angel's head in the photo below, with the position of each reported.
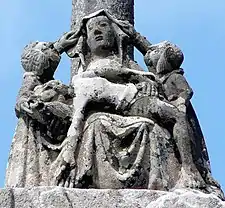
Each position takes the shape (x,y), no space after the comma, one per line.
(40,58)
(163,58)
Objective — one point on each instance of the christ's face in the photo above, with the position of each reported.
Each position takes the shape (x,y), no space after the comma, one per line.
(100,34)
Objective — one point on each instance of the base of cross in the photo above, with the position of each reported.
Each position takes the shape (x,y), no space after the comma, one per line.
(57,197)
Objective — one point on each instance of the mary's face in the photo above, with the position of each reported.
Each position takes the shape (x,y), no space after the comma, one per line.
(100,34)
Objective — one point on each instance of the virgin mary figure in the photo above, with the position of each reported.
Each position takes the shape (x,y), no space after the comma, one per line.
(129,146)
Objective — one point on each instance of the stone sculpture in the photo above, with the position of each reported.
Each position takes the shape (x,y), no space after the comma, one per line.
(116,126)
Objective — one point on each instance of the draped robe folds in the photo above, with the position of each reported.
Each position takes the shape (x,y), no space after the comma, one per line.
(120,152)
(29,160)
(132,151)
(125,152)
(33,147)
(114,152)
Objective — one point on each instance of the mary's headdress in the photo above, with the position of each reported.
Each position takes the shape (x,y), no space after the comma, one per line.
(80,50)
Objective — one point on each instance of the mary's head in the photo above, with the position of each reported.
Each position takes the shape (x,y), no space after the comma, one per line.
(100,34)
(101,38)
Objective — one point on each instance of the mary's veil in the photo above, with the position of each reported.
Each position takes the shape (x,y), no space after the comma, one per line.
(80,50)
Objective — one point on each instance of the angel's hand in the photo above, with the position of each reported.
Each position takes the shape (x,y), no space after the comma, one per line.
(67,40)
(25,107)
(127,28)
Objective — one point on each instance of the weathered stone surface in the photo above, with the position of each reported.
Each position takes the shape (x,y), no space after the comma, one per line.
(121,9)
(115,127)
(51,197)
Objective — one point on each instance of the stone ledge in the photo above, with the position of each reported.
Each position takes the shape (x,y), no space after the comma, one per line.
(56,197)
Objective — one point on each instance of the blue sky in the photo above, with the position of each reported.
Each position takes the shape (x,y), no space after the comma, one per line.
(196,26)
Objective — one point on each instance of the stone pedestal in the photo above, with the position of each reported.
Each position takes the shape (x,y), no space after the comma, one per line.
(56,197)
